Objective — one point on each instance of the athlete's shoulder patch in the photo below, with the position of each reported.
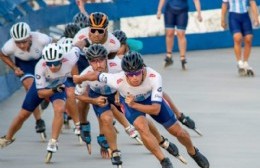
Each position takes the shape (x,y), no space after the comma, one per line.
(152,75)
(112,64)
(119,81)
(112,41)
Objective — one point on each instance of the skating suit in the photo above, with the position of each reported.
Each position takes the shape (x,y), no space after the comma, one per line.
(239,20)
(176,14)
(45,79)
(99,88)
(150,91)
(24,59)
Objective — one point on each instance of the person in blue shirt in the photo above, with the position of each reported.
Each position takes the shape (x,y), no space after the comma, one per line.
(240,26)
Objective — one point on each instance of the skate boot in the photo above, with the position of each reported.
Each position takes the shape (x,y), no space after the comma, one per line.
(200,159)
(241,69)
(116,158)
(188,122)
(44,104)
(104,147)
(249,70)
(130,130)
(40,128)
(183,62)
(52,147)
(166,163)
(4,142)
(172,149)
(85,135)
(77,132)
(66,121)
(168,61)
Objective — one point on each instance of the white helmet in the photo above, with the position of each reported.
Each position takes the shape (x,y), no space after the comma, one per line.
(52,52)
(67,44)
(20,31)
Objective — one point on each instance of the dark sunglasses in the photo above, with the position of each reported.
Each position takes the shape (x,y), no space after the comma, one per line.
(56,63)
(136,73)
(100,31)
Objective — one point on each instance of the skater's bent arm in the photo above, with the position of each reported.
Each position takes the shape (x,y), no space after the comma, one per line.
(45,93)
(7,60)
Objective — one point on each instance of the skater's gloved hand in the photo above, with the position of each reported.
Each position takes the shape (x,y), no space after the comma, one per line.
(187,121)
(59,88)
(129,100)
(101,101)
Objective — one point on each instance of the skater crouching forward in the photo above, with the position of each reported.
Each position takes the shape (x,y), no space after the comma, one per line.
(140,91)
(50,74)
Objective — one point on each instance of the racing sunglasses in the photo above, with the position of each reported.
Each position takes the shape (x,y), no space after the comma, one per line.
(55,63)
(100,31)
(135,73)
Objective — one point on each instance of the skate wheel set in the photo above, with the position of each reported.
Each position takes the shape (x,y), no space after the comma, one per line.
(139,141)
(43,136)
(48,157)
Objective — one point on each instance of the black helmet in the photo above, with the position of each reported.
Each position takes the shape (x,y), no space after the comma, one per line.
(98,20)
(132,61)
(120,35)
(71,30)
(96,51)
(81,20)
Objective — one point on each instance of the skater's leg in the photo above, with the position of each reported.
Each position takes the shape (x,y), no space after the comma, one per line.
(169,46)
(59,108)
(183,137)
(106,119)
(182,43)
(17,123)
(247,46)
(237,37)
(27,83)
(83,109)
(149,140)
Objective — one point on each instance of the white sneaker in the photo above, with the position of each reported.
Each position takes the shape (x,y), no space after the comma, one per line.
(130,130)
(4,142)
(52,146)
(246,66)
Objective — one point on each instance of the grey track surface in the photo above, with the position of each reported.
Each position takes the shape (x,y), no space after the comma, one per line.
(224,106)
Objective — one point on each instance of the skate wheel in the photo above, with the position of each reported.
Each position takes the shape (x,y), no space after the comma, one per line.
(48,157)
(43,136)
(140,142)
(198,131)
(181,158)
(250,73)
(241,72)
(119,166)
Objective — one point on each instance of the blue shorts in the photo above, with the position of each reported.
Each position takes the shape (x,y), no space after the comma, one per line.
(27,67)
(69,82)
(82,63)
(165,117)
(32,100)
(240,23)
(175,18)
(111,101)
